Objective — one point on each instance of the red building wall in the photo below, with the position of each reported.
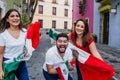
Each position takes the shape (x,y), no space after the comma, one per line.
(89,12)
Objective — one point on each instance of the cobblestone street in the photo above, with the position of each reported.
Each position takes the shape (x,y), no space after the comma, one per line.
(111,55)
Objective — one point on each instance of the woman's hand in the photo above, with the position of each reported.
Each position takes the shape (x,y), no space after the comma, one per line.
(1,74)
(1,61)
(75,53)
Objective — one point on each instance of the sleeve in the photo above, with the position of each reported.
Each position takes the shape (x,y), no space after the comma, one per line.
(72,37)
(2,41)
(49,58)
(25,30)
(91,40)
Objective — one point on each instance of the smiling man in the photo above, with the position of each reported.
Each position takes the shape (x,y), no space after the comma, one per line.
(57,61)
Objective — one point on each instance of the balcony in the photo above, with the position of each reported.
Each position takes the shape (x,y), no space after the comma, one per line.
(103,1)
(98,0)
(66,3)
(82,7)
(54,1)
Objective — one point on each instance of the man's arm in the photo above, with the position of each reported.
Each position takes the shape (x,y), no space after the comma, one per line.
(50,69)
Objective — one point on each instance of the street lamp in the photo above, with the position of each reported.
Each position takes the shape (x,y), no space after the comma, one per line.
(113,10)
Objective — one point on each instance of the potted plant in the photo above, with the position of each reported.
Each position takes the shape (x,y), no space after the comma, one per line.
(82,6)
(94,37)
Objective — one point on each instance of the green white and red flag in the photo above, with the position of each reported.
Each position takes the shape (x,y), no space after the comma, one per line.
(91,67)
(32,42)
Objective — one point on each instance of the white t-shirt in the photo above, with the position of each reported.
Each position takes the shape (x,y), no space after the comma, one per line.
(13,47)
(52,57)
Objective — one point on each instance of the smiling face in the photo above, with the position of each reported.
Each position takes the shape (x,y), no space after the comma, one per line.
(62,43)
(14,19)
(80,28)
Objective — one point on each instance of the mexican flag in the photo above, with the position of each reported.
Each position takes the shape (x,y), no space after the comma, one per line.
(52,33)
(32,41)
(91,67)
(62,69)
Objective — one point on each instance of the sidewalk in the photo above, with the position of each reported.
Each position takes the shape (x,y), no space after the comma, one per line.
(112,56)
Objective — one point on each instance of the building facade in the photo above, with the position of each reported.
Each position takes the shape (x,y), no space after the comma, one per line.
(84,9)
(54,14)
(96,21)
(109,22)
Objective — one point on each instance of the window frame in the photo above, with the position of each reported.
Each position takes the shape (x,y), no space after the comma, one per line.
(53,24)
(40,9)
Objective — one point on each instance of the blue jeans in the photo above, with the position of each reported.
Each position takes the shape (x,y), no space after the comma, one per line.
(22,72)
(53,76)
(78,71)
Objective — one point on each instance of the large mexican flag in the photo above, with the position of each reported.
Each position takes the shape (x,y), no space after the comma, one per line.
(62,69)
(91,67)
(32,41)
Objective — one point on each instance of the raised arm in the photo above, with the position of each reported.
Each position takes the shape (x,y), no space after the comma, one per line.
(94,50)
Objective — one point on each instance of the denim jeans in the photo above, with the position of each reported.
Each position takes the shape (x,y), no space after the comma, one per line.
(53,76)
(22,72)
(78,71)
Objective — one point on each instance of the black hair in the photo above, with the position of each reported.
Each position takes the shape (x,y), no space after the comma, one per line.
(62,35)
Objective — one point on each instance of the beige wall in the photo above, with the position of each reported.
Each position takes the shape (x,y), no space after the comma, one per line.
(47,16)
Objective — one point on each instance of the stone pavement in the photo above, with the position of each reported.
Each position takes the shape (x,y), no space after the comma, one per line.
(111,55)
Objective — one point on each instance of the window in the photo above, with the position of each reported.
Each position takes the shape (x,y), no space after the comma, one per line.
(53,24)
(66,12)
(41,21)
(65,25)
(40,9)
(54,10)
(54,1)
(66,2)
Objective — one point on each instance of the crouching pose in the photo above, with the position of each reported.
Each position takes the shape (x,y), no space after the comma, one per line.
(58,60)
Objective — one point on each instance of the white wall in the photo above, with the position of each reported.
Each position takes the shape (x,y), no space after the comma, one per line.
(114,25)
(59,17)
(96,24)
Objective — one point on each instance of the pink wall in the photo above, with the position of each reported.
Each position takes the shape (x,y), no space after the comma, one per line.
(89,13)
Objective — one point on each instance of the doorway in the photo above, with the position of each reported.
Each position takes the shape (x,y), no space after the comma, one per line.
(105,29)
